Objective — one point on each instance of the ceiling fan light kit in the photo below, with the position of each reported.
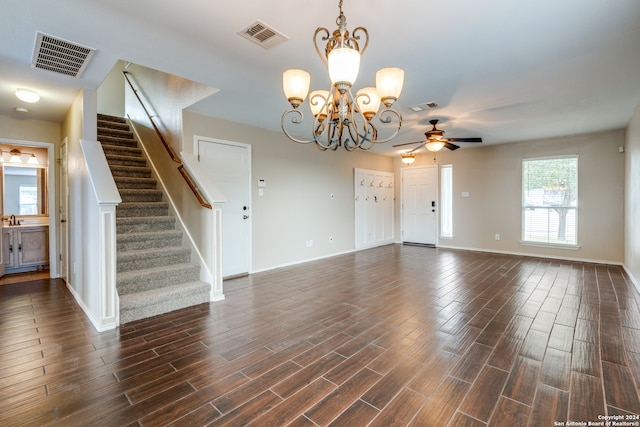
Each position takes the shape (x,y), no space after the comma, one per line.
(435,140)
(340,119)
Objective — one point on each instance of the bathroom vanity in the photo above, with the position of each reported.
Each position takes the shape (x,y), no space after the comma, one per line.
(25,247)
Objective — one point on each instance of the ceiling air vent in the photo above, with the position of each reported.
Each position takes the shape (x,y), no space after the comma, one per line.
(60,56)
(262,35)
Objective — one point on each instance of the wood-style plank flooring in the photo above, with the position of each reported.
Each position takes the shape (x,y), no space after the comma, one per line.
(391,336)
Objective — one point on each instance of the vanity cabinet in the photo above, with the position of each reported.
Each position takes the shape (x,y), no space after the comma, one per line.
(25,248)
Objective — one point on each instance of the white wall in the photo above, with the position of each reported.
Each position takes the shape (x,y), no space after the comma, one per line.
(492,176)
(632,198)
(111,92)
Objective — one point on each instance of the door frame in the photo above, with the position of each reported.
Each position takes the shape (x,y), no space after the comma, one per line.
(63,256)
(437,197)
(247,147)
(51,197)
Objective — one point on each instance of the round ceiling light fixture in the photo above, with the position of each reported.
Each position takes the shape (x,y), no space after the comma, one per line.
(27,95)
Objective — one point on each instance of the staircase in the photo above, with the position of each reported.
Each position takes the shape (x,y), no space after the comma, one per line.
(155,274)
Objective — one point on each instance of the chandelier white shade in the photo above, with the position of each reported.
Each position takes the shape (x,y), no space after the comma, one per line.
(340,119)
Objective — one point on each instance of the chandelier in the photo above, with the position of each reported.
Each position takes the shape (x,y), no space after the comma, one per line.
(340,119)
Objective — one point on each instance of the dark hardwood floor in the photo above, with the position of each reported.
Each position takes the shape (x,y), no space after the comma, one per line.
(397,335)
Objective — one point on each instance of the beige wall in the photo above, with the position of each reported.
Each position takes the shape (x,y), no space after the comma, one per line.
(492,176)
(29,130)
(296,206)
(632,198)
(111,92)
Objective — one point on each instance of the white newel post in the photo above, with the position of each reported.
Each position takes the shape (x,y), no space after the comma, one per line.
(217,291)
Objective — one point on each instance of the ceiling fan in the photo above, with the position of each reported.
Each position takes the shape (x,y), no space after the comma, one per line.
(436,141)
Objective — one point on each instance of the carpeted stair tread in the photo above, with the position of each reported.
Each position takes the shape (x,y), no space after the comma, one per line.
(122,150)
(153,302)
(140,195)
(145,259)
(126,182)
(152,278)
(142,224)
(114,140)
(124,160)
(145,209)
(130,171)
(107,117)
(128,241)
(115,132)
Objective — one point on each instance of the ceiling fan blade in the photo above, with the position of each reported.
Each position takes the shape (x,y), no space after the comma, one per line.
(465,139)
(451,146)
(417,148)
(408,143)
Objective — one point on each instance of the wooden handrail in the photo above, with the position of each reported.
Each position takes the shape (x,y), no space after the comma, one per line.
(181,169)
(153,123)
(193,188)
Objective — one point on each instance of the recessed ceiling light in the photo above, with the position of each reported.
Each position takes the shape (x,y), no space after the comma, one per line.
(27,95)
(20,110)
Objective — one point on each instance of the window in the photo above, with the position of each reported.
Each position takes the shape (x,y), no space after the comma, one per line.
(28,200)
(549,200)
(446,201)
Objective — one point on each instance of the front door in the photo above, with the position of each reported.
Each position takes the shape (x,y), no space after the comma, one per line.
(419,204)
(229,165)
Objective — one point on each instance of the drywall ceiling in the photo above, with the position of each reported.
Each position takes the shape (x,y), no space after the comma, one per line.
(500,69)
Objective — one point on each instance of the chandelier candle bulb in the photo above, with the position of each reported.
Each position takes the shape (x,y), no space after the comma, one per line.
(368,101)
(295,83)
(389,82)
(344,65)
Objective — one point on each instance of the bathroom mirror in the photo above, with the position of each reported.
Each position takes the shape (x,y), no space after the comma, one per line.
(25,190)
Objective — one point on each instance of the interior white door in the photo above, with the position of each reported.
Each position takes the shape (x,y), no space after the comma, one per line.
(419,205)
(62,211)
(229,165)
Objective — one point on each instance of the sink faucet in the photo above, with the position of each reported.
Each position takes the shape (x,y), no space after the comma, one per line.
(12,221)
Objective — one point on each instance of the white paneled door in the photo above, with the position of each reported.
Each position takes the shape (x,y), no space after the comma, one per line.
(373,208)
(229,165)
(419,204)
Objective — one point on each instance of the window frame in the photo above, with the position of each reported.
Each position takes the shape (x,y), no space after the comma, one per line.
(524,207)
(446,203)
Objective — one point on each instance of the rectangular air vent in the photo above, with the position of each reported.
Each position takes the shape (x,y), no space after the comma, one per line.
(262,35)
(60,56)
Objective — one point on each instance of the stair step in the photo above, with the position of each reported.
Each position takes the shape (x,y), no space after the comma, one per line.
(140,195)
(129,241)
(130,171)
(143,224)
(114,140)
(124,182)
(109,118)
(120,160)
(146,209)
(127,134)
(153,302)
(110,124)
(145,259)
(121,150)
(134,281)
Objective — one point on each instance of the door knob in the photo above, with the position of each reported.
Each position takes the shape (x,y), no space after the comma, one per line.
(245,216)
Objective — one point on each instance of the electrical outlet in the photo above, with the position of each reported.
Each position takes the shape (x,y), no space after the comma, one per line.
(309,243)
(497,237)
(330,239)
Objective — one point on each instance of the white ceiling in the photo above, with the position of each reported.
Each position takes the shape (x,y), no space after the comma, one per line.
(502,70)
